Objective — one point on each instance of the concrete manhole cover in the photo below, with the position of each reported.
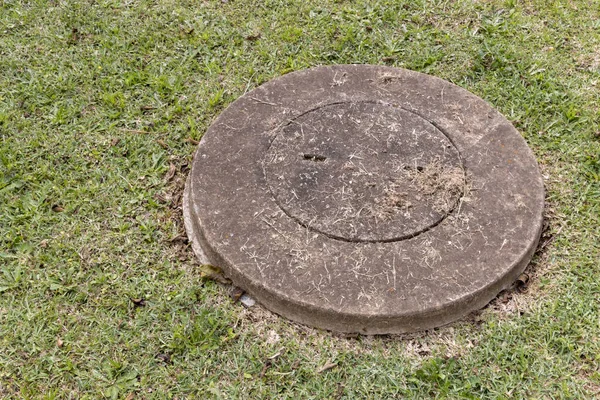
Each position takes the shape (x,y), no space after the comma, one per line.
(365,199)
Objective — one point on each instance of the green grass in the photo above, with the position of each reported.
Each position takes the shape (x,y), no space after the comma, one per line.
(99,98)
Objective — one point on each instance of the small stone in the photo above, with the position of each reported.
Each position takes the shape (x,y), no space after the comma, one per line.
(247,301)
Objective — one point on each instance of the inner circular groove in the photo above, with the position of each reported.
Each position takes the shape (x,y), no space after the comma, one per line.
(364,172)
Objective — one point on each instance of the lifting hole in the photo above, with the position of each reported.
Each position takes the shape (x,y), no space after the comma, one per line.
(314,157)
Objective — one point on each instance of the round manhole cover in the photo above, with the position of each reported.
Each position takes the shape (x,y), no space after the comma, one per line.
(365,199)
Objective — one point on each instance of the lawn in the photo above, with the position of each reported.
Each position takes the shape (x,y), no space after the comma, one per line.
(101,105)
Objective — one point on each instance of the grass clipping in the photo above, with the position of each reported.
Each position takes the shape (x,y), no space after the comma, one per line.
(439,186)
(441,183)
